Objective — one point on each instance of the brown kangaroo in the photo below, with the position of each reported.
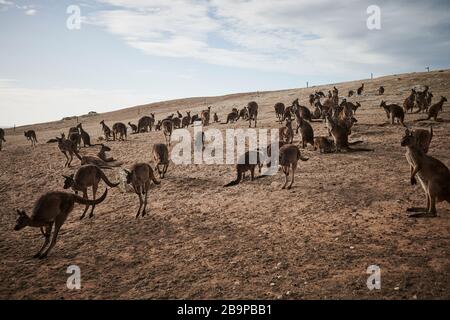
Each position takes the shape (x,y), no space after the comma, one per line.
(167,125)
(289,156)
(247,162)
(381,91)
(134,128)
(351,93)
(2,138)
(286,133)
(145,124)
(99,162)
(67,146)
(433,175)
(216,117)
(84,136)
(106,130)
(232,116)
(394,111)
(186,120)
(205,116)
(87,176)
(102,154)
(340,136)
(51,209)
(306,131)
(324,144)
(421,100)
(140,177)
(161,156)
(252,108)
(243,114)
(408,104)
(360,90)
(279,111)
(119,131)
(31,136)
(433,112)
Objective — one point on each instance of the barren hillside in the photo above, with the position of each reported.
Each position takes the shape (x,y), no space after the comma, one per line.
(202,241)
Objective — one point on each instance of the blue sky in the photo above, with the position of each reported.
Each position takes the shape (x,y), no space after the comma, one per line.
(131,52)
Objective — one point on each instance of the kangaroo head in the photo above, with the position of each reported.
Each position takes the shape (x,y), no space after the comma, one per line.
(22,220)
(382,104)
(69,181)
(79,126)
(408,139)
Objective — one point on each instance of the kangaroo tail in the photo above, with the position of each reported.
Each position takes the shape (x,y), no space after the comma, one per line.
(105,178)
(152,177)
(49,141)
(356,142)
(81,200)
(235,182)
(77,154)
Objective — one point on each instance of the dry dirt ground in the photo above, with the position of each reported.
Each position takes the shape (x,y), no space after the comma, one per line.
(253,241)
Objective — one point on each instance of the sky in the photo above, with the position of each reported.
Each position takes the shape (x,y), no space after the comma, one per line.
(132,52)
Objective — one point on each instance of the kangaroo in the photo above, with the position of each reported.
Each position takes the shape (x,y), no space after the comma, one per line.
(52,208)
(324,144)
(351,93)
(312,99)
(216,118)
(433,112)
(394,111)
(102,153)
(167,129)
(205,116)
(2,138)
(186,120)
(145,124)
(119,131)
(289,156)
(233,116)
(75,137)
(243,114)
(306,131)
(134,128)
(340,136)
(279,110)
(423,138)
(176,123)
(85,160)
(106,130)
(303,111)
(252,108)
(31,136)
(87,176)
(380,90)
(421,100)
(360,90)
(428,101)
(433,175)
(286,133)
(160,154)
(408,104)
(195,118)
(179,115)
(140,177)
(84,136)
(269,151)
(353,107)
(67,146)
(247,162)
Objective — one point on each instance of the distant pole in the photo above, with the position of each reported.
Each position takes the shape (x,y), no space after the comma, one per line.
(307,84)
(14,128)
(371,76)
(428,69)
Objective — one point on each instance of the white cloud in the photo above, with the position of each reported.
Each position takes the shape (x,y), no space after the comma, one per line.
(30,12)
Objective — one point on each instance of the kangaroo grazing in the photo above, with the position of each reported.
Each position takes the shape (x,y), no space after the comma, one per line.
(186,120)
(243,114)
(247,162)
(69,147)
(145,124)
(161,156)
(134,128)
(306,131)
(51,209)
(167,125)
(87,176)
(252,108)
(119,131)
(232,116)
(286,133)
(394,111)
(408,104)
(433,111)
(2,138)
(289,156)
(324,144)
(360,90)
(84,136)
(106,130)
(381,91)
(279,110)
(140,177)
(433,175)
(31,136)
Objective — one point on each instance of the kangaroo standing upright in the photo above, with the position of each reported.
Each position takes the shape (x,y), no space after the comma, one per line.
(119,131)
(84,136)
(252,108)
(433,175)
(161,156)
(106,130)
(289,156)
(87,176)
(52,209)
